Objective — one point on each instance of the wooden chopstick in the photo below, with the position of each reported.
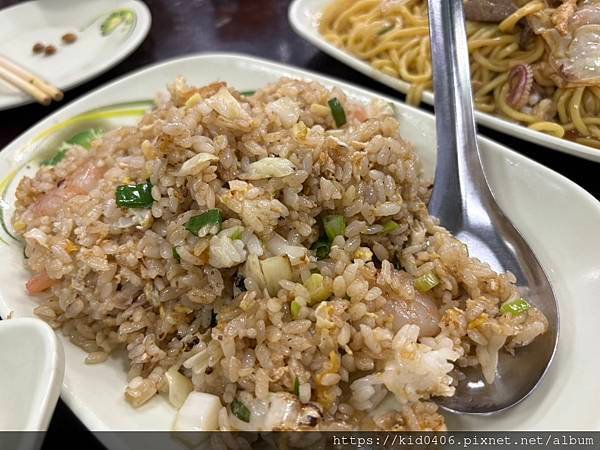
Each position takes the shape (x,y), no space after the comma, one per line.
(25,80)
(41,96)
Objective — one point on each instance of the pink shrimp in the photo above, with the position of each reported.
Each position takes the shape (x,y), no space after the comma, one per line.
(39,283)
(360,113)
(82,181)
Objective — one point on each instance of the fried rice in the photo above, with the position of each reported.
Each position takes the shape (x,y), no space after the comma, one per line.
(324,296)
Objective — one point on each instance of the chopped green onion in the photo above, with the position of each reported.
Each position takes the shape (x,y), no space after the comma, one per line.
(426,282)
(176,255)
(206,223)
(240,410)
(247,93)
(297,386)
(337,111)
(57,157)
(390,227)
(322,248)
(295,309)
(115,19)
(334,226)
(237,234)
(317,287)
(134,195)
(85,138)
(515,307)
(398,264)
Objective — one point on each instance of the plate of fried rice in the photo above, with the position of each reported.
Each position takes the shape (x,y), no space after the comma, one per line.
(227,243)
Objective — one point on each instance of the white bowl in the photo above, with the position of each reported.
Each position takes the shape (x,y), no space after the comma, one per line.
(32,366)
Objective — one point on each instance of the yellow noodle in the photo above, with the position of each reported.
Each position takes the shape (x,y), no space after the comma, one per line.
(489,87)
(574,111)
(548,127)
(587,120)
(496,66)
(485,107)
(508,24)
(393,38)
(590,142)
(510,112)
(474,44)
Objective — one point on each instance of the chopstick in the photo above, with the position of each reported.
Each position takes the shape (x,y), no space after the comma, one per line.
(24,80)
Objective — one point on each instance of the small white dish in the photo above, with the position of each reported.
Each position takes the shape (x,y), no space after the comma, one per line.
(558,219)
(46,21)
(32,366)
(304,16)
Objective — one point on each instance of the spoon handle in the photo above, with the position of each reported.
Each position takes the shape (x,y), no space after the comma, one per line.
(459,177)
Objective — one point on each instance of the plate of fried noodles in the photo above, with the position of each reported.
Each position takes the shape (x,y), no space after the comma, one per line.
(534,63)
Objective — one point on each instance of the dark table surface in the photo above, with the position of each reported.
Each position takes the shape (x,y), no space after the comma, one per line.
(255,27)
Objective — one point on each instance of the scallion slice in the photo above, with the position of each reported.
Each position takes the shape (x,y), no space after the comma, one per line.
(134,195)
(247,93)
(295,309)
(86,137)
(337,111)
(115,19)
(83,139)
(206,223)
(58,156)
(318,289)
(322,248)
(176,255)
(297,386)
(240,411)
(516,307)
(334,225)
(237,234)
(426,282)
(389,227)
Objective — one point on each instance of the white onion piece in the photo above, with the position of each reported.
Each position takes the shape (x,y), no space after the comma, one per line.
(226,105)
(199,412)
(198,362)
(286,109)
(225,252)
(270,167)
(253,270)
(179,387)
(280,246)
(275,269)
(196,164)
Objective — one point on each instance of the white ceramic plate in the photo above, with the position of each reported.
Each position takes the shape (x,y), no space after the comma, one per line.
(46,21)
(558,219)
(304,16)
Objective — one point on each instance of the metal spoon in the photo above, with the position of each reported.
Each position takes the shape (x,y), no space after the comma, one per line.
(463,202)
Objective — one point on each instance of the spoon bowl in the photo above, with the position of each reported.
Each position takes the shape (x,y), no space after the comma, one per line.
(464,204)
